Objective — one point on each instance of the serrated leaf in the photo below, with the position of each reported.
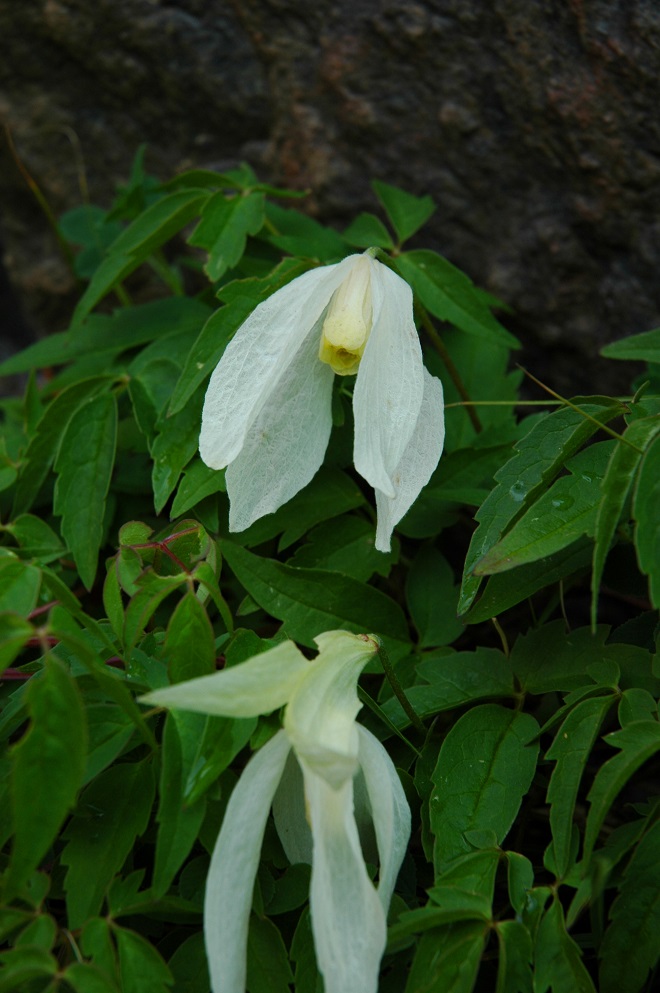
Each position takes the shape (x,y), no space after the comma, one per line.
(84,467)
(453,680)
(558,962)
(112,812)
(189,641)
(47,768)
(173,447)
(637,743)
(344,544)
(141,968)
(448,959)
(643,347)
(449,294)
(406,212)
(635,922)
(311,601)
(539,457)
(432,598)
(514,970)
(485,767)
(550,659)
(367,231)
(646,510)
(615,486)
(197,483)
(223,229)
(566,512)
(570,750)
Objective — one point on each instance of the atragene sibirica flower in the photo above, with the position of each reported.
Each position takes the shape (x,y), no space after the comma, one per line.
(323,774)
(267,412)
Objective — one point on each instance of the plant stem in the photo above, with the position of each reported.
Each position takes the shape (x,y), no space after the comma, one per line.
(398,691)
(440,348)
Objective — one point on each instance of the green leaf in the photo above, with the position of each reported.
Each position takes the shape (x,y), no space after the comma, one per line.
(152,590)
(406,212)
(35,538)
(197,483)
(19,585)
(557,519)
(307,976)
(557,959)
(635,922)
(223,229)
(268,969)
(15,632)
(520,879)
(44,444)
(453,680)
(637,742)
(301,235)
(432,598)
(570,750)
(83,977)
(173,447)
(84,467)
(646,510)
(485,767)
(188,966)
(189,642)
(344,544)
(20,966)
(47,768)
(643,347)
(548,659)
(449,294)
(448,959)
(514,972)
(615,486)
(367,231)
(179,822)
(311,601)
(151,229)
(217,741)
(113,810)
(141,968)
(110,730)
(539,457)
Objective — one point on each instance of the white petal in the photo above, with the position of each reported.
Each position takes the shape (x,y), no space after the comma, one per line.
(234,863)
(416,465)
(285,445)
(389,809)
(290,814)
(320,717)
(257,686)
(258,356)
(348,921)
(389,387)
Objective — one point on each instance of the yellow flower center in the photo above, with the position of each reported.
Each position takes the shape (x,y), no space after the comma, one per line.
(348,322)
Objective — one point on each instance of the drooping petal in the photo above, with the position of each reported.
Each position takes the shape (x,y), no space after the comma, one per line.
(416,464)
(389,387)
(258,686)
(285,445)
(258,356)
(348,921)
(320,717)
(290,814)
(234,865)
(389,809)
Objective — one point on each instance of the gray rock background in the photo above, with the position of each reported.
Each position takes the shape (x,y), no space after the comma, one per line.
(533,123)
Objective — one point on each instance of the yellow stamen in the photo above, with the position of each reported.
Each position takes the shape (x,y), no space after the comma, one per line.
(348,321)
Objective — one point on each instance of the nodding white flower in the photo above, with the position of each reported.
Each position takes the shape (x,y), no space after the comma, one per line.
(267,412)
(322,774)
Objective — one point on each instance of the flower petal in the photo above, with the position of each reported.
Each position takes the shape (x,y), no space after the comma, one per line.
(348,921)
(257,686)
(285,444)
(416,465)
(234,863)
(257,357)
(320,717)
(389,809)
(389,387)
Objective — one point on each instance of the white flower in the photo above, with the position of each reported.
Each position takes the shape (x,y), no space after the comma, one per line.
(267,411)
(316,773)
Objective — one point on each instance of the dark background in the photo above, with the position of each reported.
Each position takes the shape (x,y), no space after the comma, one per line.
(534,125)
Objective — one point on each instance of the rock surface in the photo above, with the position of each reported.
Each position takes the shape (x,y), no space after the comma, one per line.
(533,124)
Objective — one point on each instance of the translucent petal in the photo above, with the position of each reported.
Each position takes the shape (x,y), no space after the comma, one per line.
(258,686)
(389,387)
(290,814)
(416,465)
(258,356)
(348,921)
(234,863)
(285,445)
(320,717)
(389,809)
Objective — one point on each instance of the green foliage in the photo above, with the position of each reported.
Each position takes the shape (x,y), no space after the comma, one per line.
(118,575)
